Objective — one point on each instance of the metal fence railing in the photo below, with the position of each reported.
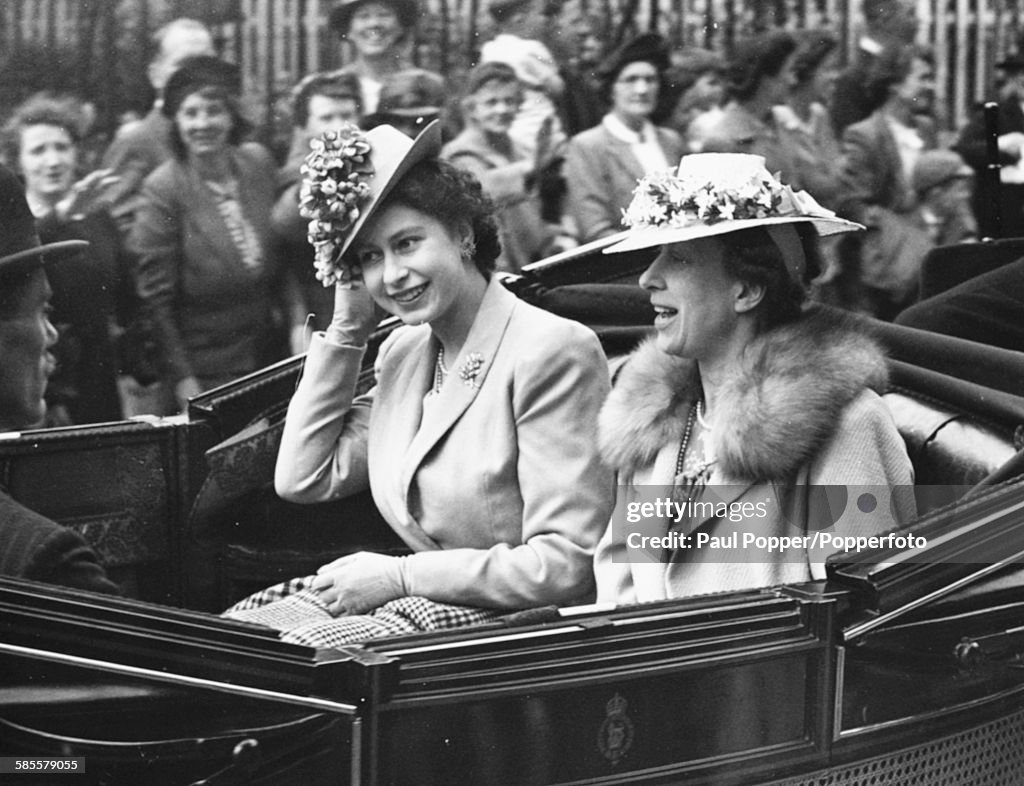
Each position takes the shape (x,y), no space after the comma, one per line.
(276,42)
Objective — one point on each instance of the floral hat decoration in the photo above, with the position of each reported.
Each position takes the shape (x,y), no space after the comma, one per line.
(345,177)
(714,193)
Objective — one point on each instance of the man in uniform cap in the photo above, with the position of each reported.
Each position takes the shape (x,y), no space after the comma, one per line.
(32,546)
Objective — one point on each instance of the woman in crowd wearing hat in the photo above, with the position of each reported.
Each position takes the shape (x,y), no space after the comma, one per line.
(92,289)
(478,441)
(603,163)
(206,264)
(379,31)
(745,400)
(509,176)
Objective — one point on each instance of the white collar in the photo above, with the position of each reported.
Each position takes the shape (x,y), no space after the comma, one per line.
(624,133)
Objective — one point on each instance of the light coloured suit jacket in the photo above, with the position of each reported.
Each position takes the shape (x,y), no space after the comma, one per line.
(497,485)
(601,173)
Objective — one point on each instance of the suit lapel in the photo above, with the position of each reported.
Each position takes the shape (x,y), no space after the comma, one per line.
(474,362)
(623,157)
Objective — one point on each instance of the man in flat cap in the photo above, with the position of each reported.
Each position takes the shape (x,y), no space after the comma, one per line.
(32,546)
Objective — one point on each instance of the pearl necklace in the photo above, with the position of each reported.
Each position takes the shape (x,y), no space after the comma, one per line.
(696,415)
(440,371)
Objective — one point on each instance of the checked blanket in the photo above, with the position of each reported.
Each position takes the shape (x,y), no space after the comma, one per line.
(297,611)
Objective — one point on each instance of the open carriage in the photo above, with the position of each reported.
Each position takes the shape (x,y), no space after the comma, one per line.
(903,667)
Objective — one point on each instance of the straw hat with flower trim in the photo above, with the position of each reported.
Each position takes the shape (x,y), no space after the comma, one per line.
(346,178)
(19,240)
(711,194)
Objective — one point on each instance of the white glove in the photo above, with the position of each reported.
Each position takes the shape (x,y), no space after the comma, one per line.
(358,583)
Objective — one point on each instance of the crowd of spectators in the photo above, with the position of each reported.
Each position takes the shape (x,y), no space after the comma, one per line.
(199,271)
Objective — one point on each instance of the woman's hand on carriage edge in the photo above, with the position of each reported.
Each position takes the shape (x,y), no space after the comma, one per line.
(356,314)
(358,583)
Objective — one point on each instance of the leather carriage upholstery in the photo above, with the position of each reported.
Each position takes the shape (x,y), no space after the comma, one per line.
(206,534)
(957,434)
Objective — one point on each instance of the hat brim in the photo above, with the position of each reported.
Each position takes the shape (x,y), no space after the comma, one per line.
(649,237)
(43,252)
(426,145)
(338,20)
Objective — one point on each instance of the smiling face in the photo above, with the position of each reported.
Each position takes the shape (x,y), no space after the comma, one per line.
(26,337)
(493,107)
(47,157)
(635,92)
(204,124)
(374,29)
(694,298)
(413,268)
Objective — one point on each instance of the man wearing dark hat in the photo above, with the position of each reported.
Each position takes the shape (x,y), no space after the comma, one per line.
(972,145)
(32,546)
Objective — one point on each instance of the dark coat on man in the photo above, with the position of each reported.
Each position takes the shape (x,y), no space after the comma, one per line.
(136,151)
(33,547)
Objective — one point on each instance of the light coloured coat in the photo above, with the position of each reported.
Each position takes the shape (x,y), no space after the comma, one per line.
(601,172)
(798,418)
(497,486)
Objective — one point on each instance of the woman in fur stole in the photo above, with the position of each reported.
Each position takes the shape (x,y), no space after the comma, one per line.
(748,416)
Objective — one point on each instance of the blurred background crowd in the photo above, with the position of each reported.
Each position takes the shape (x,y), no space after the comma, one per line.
(159,134)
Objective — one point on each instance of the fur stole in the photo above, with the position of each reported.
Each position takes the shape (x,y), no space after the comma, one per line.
(774,414)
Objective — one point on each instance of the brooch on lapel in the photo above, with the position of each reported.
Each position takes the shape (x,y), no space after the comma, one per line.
(471,368)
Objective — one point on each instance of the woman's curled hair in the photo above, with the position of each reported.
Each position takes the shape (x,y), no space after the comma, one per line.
(753,257)
(455,198)
(43,109)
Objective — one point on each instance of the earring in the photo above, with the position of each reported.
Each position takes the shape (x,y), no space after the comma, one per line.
(468,249)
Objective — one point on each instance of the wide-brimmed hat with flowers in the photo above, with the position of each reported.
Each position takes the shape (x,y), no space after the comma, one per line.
(711,194)
(346,177)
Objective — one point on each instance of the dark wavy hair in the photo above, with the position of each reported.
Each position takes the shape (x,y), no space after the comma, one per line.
(755,58)
(330,85)
(891,68)
(753,257)
(813,47)
(41,109)
(455,198)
